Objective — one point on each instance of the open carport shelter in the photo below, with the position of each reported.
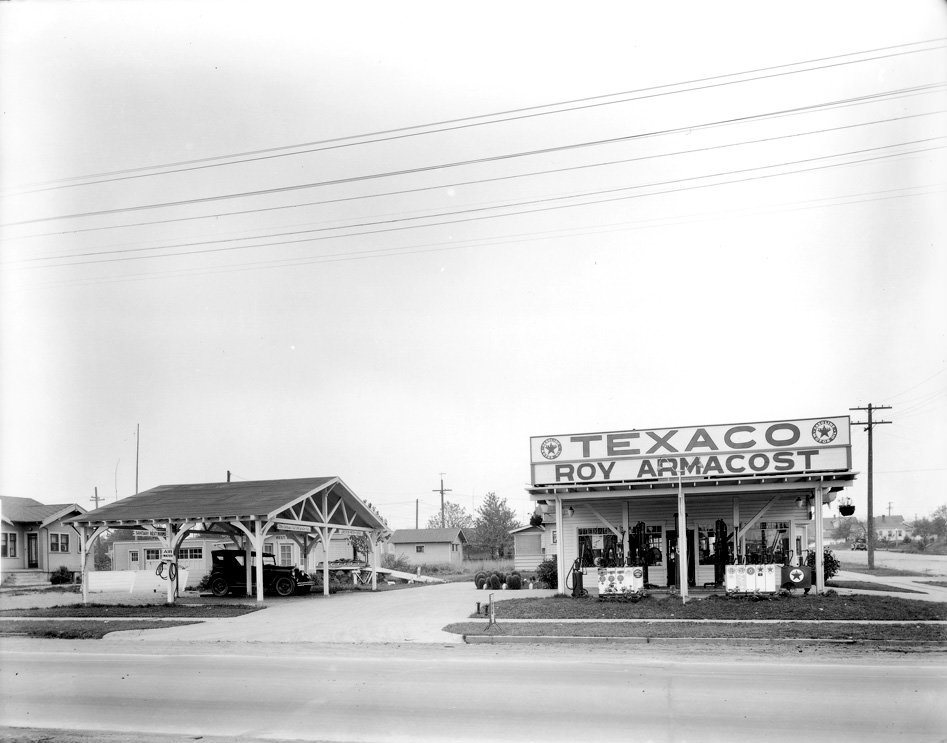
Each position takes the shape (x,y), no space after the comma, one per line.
(687,502)
(307,510)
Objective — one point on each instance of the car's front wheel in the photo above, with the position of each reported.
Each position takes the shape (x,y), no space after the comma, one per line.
(219,587)
(285,586)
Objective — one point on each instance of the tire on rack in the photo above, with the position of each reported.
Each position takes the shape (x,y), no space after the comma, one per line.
(219,587)
(284,586)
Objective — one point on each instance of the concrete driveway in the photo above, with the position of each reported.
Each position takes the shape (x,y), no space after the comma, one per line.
(415,614)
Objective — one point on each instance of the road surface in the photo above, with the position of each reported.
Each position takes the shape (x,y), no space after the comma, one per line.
(932,565)
(254,691)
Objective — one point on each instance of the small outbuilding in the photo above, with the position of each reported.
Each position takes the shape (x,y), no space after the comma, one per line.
(429,546)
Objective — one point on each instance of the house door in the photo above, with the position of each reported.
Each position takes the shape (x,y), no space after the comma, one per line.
(32,551)
(674,578)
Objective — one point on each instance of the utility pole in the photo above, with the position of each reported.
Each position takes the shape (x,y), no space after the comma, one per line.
(869,426)
(137,441)
(95,498)
(417,523)
(441,490)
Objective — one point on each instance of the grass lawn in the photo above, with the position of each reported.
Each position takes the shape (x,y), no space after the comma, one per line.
(863,585)
(902,621)
(94,621)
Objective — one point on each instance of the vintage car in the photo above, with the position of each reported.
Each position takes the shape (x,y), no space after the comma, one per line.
(859,544)
(229,575)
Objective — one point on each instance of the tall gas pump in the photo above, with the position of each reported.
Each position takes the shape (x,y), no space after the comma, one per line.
(638,548)
(721,551)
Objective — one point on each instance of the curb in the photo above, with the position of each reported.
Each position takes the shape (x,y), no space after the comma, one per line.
(565,640)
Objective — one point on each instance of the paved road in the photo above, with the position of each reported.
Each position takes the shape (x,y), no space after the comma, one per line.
(465,693)
(930,565)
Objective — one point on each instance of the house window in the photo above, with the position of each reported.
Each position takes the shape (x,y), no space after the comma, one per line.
(58,542)
(554,536)
(286,555)
(152,554)
(419,548)
(453,547)
(191,553)
(133,556)
(8,548)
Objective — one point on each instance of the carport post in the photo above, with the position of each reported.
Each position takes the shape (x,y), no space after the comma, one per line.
(258,539)
(819,539)
(84,554)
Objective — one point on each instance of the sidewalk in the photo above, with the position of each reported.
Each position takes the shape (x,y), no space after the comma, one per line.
(926,591)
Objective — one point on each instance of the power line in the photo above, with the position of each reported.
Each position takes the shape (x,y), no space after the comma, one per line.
(471,121)
(516,238)
(480,161)
(477,211)
(481,181)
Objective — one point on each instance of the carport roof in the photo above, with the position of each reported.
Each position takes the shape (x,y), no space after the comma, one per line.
(229,501)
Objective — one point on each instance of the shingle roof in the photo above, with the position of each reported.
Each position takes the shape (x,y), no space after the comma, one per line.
(222,500)
(28,510)
(429,536)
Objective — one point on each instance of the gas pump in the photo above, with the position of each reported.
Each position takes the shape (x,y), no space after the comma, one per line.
(638,548)
(720,551)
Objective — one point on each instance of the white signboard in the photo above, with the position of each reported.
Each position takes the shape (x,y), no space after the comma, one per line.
(745,449)
(293,527)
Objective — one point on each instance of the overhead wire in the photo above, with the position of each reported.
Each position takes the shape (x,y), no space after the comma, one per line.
(480,161)
(505,240)
(481,181)
(478,211)
(470,121)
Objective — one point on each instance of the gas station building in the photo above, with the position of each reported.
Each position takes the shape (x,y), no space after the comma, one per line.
(747,494)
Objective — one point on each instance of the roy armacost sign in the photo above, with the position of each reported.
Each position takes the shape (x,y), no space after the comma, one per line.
(745,449)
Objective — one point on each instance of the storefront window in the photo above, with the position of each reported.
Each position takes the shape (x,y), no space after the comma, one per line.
(768,542)
(598,545)
(706,545)
(653,540)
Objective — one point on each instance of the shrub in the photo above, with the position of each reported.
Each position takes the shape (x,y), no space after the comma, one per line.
(830,564)
(397,562)
(62,575)
(548,572)
(204,585)
(501,576)
(480,580)
(514,582)
(493,583)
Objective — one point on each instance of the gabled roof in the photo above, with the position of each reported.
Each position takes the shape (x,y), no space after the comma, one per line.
(528,527)
(30,511)
(235,501)
(428,536)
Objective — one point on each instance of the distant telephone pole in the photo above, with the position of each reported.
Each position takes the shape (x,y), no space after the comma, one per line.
(869,426)
(95,498)
(442,490)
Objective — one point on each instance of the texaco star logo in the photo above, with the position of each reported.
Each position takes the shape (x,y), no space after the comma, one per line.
(824,432)
(551,448)
(796,575)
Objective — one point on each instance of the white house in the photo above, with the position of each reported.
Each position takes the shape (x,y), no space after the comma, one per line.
(35,542)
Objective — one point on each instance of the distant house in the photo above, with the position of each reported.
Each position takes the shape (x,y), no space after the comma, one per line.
(428,546)
(892,528)
(34,539)
(532,545)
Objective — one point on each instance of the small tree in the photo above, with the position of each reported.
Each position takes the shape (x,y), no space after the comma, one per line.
(494,521)
(455,517)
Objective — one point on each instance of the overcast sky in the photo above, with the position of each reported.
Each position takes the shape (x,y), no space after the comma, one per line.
(386,241)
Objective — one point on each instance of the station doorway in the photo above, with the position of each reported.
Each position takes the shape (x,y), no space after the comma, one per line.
(673,574)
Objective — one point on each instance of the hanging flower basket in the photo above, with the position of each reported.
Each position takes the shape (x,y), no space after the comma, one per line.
(846,510)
